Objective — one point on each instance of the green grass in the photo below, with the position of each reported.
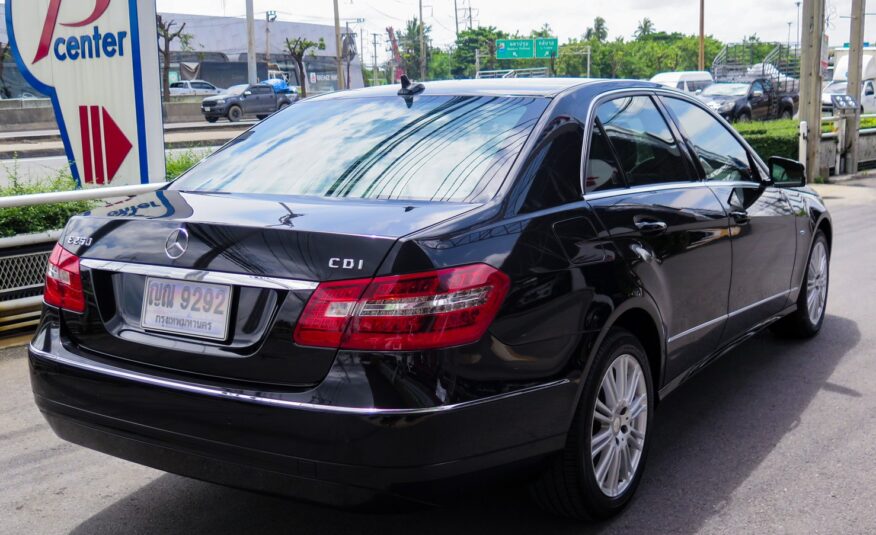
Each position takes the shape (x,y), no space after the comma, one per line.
(42,218)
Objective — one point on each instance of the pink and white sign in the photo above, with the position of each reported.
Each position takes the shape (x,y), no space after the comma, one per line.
(98,62)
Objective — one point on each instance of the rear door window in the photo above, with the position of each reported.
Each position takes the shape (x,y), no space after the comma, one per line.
(602,172)
(553,176)
(432,148)
(722,156)
(645,147)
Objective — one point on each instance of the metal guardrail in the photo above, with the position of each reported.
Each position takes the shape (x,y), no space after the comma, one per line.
(23,258)
(537,72)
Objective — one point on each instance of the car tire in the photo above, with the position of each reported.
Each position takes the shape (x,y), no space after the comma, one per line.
(786,114)
(284,106)
(581,485)
(807,320)
(743,117)
(235,114)
(212,119)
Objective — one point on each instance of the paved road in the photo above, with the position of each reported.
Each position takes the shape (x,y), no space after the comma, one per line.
(777,437)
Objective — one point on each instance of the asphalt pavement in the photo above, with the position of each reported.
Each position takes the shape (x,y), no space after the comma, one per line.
(777,437)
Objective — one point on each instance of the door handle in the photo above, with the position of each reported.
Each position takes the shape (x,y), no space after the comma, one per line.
(651,227)
(741,217)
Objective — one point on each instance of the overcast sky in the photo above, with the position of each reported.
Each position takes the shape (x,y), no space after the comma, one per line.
(728,20)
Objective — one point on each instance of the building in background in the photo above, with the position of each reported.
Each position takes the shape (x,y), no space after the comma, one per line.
(216,52)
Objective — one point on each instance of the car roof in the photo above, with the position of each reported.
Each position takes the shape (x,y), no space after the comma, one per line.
(535,87)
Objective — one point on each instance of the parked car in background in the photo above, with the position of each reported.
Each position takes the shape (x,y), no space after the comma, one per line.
(381,294)
(194,88)
(240,100)
(688,81)
(748,100)
(868,95)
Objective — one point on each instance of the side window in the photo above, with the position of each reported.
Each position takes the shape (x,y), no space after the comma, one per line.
(553,176)
(680,85)
(757,86)
(201,85)
(178,85)
(645,147)
(723,157)
(602,171)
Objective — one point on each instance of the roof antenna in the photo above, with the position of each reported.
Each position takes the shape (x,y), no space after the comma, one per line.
(409,88)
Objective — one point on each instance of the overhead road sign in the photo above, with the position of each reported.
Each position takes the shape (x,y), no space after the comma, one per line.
(98,62)
(527,48)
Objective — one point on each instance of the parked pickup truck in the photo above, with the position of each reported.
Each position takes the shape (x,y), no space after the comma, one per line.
(757,99)
(259,99)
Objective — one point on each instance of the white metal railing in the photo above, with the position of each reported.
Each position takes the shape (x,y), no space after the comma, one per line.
(19,308)
(77,195)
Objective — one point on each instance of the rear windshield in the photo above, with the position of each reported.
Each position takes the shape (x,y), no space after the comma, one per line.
(456,149)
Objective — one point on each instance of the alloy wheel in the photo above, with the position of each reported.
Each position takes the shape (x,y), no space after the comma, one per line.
(816,283)
(618,425)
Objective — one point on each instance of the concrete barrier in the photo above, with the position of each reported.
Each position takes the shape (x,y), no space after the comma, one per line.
(23,115)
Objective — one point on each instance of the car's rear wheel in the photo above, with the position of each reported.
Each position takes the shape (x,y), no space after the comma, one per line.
(744,117)
(598,471)
(787,114)
(235,114)
(807,320)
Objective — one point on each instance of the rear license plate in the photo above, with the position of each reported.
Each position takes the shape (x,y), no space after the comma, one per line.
(208,109)
(189,308)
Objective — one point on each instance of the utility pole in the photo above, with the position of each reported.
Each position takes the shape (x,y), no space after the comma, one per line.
(422,45)
(702,57)
(477,61)
(589,55)
(251,74)
(456,16)
(810,85)
(470,24)
(856,65)
(374,61)
(341,84)
(270,17)
(799,39)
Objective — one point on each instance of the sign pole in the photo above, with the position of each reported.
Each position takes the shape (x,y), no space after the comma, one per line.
(341,83)
(856,65)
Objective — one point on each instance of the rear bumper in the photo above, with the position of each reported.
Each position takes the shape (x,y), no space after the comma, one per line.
(343,456)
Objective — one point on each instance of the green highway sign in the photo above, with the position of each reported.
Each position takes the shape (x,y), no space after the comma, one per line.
(527,48)
(515,49)
(547,48)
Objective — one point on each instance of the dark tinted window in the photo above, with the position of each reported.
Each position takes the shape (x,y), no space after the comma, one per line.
(176,85)
(439,148)
(553,177)
(202,85)
(723,157)
(757,86)
(680,85)
(645,147)
(602,170)
(261,90)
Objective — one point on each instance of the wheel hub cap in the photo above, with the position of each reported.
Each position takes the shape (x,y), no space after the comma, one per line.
(618,425)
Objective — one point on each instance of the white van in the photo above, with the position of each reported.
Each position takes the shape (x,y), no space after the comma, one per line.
(690,81)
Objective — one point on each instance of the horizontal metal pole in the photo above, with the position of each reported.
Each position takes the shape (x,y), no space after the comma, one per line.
(77,195)
(19,305)
(29,239)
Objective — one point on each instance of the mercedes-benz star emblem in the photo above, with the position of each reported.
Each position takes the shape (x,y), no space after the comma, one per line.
(176,243)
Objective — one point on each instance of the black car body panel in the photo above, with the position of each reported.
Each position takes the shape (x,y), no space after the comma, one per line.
(343,426)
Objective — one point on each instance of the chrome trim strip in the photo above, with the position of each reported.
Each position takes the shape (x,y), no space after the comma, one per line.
(695,329)
(240,395)
(755,305)
(728,316)
(197,275)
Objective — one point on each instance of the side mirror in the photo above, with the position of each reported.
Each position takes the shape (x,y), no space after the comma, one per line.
(785,173)
(698,92)
(757,93)
(247,93)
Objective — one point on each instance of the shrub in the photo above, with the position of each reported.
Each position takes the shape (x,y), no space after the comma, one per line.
(773,138)
(178,163)
(41,218)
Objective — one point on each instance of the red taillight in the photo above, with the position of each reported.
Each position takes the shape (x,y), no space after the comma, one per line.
(444,308)
(63,283)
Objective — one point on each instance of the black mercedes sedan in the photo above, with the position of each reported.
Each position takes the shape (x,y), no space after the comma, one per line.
(388,295)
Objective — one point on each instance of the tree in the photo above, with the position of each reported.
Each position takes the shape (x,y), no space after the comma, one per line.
(645,29)
(440,64)
(5,49)
(168,35)
(599,31)
(409,46)
(470,40)
(298,48)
